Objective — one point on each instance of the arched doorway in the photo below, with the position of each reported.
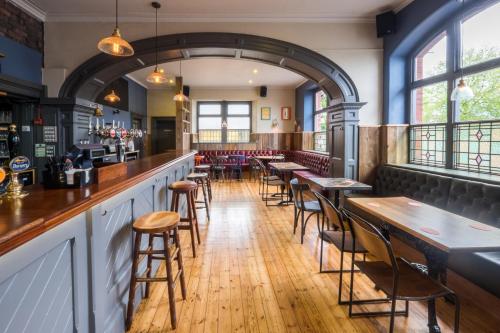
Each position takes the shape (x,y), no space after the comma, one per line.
(90,78)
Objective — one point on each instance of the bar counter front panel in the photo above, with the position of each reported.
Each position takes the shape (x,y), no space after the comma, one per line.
(74,277)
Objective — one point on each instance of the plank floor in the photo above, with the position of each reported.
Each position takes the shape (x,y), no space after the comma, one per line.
(253,275)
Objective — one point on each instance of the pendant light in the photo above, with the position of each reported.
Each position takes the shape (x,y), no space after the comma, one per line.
(156,76)
(180,97)
(112,97)
(115,45)
(462,92)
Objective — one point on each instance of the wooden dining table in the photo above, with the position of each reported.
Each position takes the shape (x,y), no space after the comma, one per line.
(435,232)
(338,185)
(286,169)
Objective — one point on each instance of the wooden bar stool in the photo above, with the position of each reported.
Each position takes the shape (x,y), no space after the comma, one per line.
(157,224)
(201,180)
(187,188)
(205,168)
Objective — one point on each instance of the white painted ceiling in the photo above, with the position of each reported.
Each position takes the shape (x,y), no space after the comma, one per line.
(219,10)
(223,73)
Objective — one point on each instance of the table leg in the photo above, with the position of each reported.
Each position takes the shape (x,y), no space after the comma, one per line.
(336,198)
(436,269)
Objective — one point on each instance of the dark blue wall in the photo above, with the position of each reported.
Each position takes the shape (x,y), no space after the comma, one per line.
(20,62)
(304,105)
(137,103)
(416,24)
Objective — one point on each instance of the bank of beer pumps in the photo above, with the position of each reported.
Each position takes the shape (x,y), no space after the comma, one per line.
(122,136)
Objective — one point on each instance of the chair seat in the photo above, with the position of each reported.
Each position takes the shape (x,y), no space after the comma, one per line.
(413,284)
(277,182)
(156,222)
(312,206)
(335,237)
(183,186)
(271,178)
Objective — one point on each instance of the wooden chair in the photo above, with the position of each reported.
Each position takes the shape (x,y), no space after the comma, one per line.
(337,233)
(300,207)
(396,277)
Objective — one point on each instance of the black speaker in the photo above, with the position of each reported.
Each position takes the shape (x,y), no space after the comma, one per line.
(185,91)
(386,24)
(263,91)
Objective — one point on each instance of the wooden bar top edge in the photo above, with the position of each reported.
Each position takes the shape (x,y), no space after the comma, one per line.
(22,220)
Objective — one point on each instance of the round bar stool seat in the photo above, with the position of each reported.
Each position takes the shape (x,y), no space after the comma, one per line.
(156,222)
(189,222)
(202,180)
(202,168)
(183,186)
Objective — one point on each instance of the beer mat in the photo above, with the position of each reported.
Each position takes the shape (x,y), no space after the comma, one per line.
(481,227)
(430,231)
(414,204)
(374,204)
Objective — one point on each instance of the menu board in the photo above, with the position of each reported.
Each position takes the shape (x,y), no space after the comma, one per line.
(50,133)
(50,150)
(40,150)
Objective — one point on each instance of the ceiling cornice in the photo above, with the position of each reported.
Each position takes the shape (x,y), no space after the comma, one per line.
(147,18)
(31,8)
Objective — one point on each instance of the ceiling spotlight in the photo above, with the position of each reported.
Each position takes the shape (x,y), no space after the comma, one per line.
(171,81)
(255,71)
(250,81)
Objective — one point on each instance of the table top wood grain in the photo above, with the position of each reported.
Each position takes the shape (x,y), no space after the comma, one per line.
(339,184)
(444,230)
(287,166)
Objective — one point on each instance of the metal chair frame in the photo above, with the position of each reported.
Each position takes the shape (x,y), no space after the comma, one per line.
(299,208)
(355,221)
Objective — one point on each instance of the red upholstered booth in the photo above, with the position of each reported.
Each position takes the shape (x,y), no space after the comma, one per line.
(317,163)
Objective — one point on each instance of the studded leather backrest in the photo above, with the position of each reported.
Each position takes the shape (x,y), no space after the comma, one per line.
(475,200)
(425,187)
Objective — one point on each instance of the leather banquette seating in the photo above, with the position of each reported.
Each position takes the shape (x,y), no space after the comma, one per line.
(317,163)
(472,199)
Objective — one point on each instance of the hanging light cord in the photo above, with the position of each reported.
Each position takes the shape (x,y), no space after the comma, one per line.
(116,14)
(156,36)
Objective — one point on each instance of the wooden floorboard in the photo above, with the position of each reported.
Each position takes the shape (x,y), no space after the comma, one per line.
(253,275)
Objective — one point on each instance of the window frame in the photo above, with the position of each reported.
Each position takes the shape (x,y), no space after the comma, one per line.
(453,73)
(314,114)
(223,115)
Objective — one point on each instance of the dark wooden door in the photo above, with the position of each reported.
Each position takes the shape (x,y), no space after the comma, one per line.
(163,134)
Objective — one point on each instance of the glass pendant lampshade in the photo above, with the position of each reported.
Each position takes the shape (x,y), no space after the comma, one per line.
(180,97)
(156,76)
(112,97)
(115,45)
(462,92)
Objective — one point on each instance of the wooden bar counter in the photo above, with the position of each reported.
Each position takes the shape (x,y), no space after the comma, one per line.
(65,254)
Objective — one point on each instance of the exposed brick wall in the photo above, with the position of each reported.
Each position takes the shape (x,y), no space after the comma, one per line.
(20,26)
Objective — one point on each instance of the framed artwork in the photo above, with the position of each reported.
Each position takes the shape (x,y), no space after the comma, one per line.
(286,113)
(265,113)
